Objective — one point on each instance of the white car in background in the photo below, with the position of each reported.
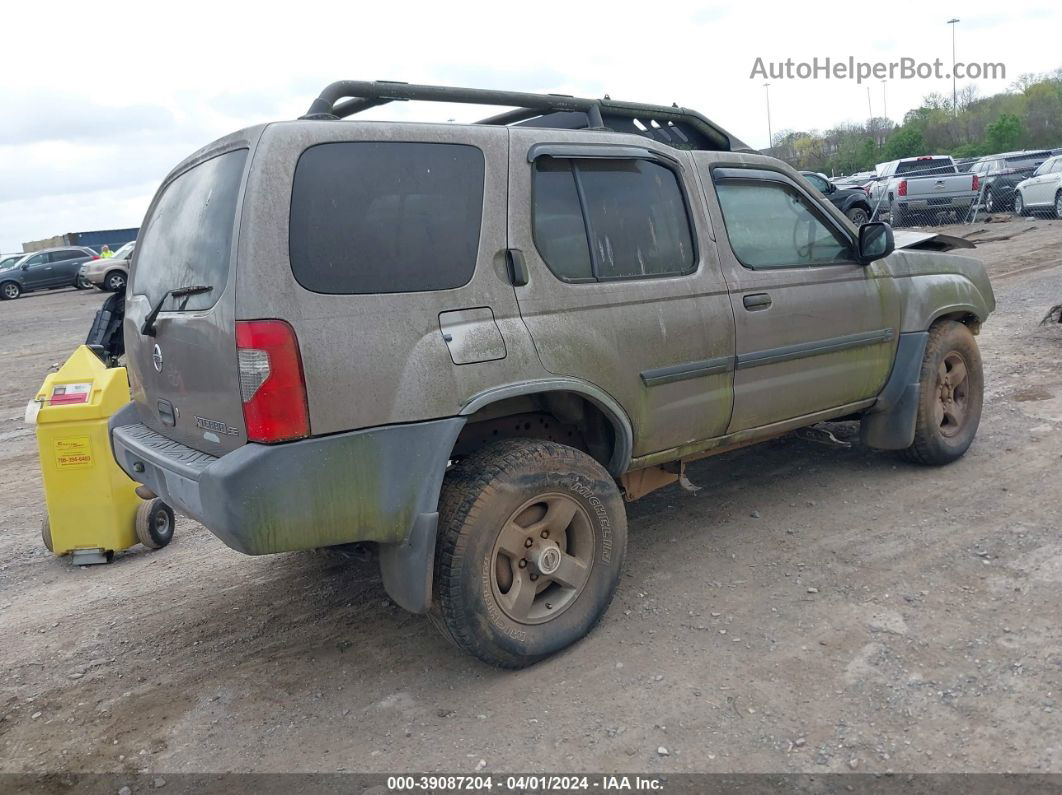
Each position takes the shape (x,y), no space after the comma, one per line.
(1042,191)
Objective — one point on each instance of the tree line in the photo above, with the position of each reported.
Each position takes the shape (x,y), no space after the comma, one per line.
(1026,116)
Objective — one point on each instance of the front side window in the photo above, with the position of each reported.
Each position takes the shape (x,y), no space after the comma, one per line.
(610,219)
(386,217)
(771,225)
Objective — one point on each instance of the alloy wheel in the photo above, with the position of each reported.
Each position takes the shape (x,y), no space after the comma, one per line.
(542,558)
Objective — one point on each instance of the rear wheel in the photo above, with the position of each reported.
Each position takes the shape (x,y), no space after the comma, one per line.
(10,291)
(531,543)
(114,281)
(990,201)
(154,524)
(952,389)
(82,283)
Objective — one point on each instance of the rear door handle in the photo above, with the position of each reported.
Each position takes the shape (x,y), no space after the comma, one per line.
(517,267)
(756,301)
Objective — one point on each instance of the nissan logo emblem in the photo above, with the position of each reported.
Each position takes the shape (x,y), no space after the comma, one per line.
(156,358)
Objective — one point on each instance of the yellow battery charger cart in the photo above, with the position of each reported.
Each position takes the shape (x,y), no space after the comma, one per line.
(93,508)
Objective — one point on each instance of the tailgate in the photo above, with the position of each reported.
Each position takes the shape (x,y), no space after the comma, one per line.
(943,185)
(183,371)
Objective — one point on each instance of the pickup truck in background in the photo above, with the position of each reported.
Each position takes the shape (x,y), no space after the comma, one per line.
(922,190)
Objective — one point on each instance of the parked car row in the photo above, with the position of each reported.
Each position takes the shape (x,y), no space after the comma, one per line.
(930,188)
(63,266)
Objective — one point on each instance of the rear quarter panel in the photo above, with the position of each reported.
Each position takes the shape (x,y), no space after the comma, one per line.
(378,359)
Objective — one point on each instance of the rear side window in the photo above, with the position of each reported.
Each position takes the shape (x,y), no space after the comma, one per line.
(610,219)
(187,241)
(384,217)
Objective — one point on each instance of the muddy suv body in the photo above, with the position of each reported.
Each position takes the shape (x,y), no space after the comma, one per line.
(468,343)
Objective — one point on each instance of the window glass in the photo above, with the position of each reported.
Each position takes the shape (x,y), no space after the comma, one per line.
(384,217)
(635,219)
(560,234)
(817,182)
(64,255)
(38,259)
(187,241)
(770,225)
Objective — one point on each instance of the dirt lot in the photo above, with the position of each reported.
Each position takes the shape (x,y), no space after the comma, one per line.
(811,609)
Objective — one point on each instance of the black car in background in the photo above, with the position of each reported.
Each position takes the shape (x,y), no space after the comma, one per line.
(853,202)
(1001,173)
(45,270)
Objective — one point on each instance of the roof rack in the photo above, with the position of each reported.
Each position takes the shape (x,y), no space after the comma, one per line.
(681,128)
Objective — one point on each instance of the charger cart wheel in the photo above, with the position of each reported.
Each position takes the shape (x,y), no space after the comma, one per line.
(154,524)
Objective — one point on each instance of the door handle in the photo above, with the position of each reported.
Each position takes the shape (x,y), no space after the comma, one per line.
(517,267)
(756,301)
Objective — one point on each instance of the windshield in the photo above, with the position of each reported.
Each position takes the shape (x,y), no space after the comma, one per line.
(126,251)
(188,238)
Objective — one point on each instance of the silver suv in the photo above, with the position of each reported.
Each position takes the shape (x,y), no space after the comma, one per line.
(470,343)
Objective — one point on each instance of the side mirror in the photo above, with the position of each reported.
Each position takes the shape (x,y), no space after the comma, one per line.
(875,241)
(25,266)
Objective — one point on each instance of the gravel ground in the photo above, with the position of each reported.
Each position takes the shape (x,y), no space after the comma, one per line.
(810,610)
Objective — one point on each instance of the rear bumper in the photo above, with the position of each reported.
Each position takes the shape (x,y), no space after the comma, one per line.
(937,203)
(369,485)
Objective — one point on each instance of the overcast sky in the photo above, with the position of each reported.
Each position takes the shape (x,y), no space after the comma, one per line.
(101,99)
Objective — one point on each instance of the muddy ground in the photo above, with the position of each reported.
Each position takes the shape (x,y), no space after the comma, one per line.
(811,609)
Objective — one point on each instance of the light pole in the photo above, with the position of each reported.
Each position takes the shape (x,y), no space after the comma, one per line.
(770,135)
(954,89)
(884,101)
(870,108)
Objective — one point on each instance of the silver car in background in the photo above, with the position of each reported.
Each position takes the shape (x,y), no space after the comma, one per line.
(110,273)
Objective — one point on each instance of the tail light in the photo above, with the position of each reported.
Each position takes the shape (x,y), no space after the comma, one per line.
(976,182)
(271,381)
(901,189)
(97,256)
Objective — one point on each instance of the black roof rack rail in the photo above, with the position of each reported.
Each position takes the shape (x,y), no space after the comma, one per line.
(679,127)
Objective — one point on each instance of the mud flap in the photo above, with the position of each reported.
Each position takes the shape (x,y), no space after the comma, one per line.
(890,423)
(407,568)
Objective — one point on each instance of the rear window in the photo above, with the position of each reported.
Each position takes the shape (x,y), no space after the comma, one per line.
(385,217)
(921,168)
(187,241)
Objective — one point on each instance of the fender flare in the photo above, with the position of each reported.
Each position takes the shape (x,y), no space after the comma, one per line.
(617,417)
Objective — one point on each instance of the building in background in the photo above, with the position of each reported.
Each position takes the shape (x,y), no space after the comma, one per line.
(94,240)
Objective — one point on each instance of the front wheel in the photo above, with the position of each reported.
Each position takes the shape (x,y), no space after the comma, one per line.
(531,543)
(858,216)
(1019,204)
(951,392)
(82,283)
(114,282)
(1058,204)
(9,291)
